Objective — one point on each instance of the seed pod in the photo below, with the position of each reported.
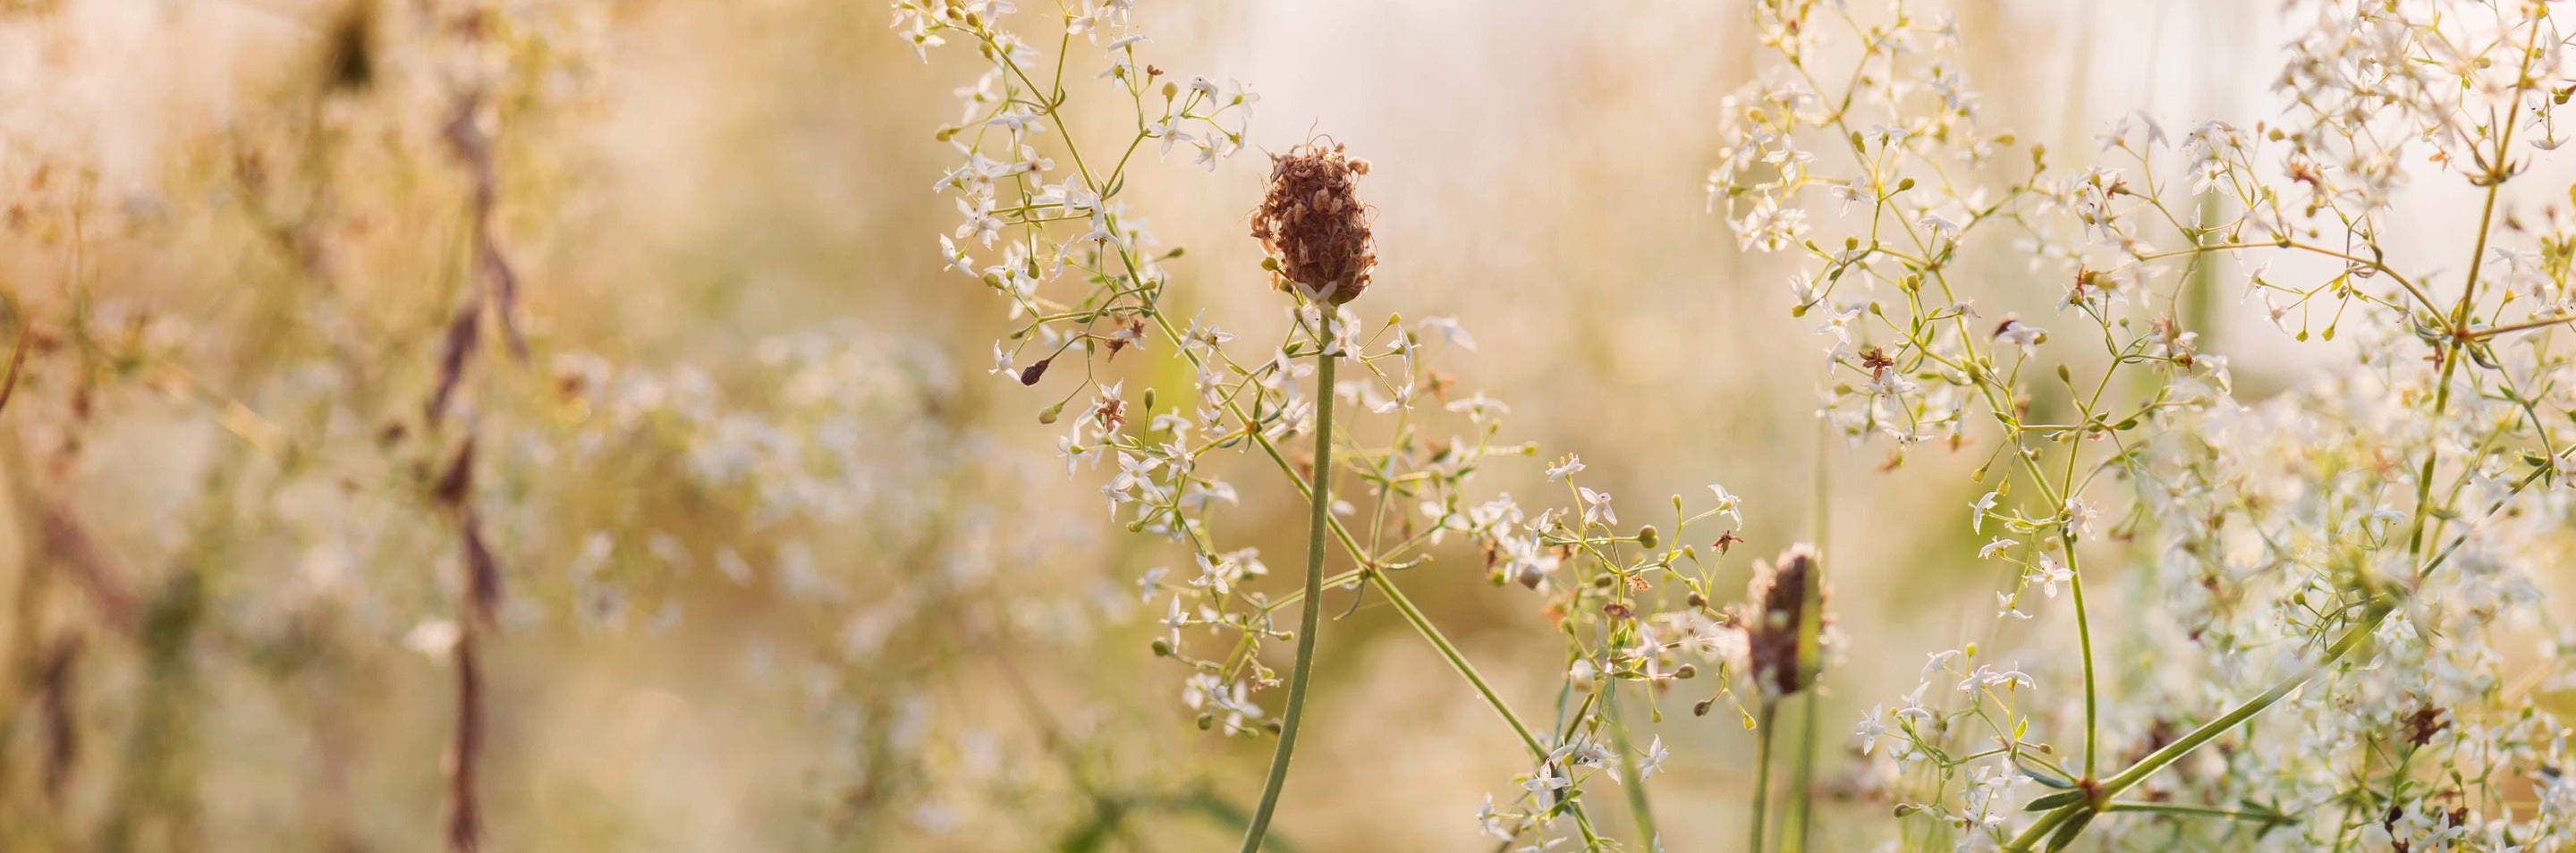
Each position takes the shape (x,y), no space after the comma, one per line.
(1313,224)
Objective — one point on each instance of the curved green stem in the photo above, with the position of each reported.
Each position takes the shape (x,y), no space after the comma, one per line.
(1319,518)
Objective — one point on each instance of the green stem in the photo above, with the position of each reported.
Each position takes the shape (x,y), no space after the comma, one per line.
(2136,773)
(1762,773)
(2352,638)
(1798,822)
(1422,624)
(2084,643)
(2196,811)
(1320,516)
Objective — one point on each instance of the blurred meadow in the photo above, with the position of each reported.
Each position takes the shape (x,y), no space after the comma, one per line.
(546,424)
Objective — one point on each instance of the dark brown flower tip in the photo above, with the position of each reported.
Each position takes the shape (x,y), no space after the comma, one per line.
(1313,224)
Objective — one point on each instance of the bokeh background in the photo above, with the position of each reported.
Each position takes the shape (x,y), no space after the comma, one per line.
(786,568)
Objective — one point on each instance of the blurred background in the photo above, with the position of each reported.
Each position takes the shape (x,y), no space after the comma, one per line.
(783,568)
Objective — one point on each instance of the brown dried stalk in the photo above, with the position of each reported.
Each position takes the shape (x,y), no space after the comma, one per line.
(465,756)
(61,733)
(492,270)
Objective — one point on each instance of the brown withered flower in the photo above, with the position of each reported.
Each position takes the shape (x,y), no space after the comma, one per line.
(1313,224)
(1776,608)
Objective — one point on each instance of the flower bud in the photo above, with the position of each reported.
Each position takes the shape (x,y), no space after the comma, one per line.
(1583,676)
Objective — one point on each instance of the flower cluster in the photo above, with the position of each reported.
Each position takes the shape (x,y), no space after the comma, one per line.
(1633,606)
(2348,555)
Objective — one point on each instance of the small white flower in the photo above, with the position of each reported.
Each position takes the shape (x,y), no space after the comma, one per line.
(1490,822)
(2050,572)
(1726,503)
(1654,759)
(957,260)
(432,637)
(2014,332)
(1870,730)
(1977,519)
(1596,507)
(2080,516)
(1568,465)
(1449,331)
(1547,779)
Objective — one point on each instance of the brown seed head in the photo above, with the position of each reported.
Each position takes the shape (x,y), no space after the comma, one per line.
(1313,224)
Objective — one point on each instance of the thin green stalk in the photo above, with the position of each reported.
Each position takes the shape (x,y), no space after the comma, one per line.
(1762,773)
(1440,642)
(2084,643)
(2196,811)
(1797,824)
(2136,773)
(2351,639)
(1319,517)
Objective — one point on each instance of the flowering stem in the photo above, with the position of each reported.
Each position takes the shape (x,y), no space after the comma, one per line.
(1319,517)
(1762,773)
(1377,577)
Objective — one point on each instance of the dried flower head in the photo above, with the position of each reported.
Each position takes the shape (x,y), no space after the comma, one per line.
(1314,225)
(1776,605)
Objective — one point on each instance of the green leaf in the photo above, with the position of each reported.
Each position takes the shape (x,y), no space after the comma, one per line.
(2057,800)
(2043,777)
(2065,834)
